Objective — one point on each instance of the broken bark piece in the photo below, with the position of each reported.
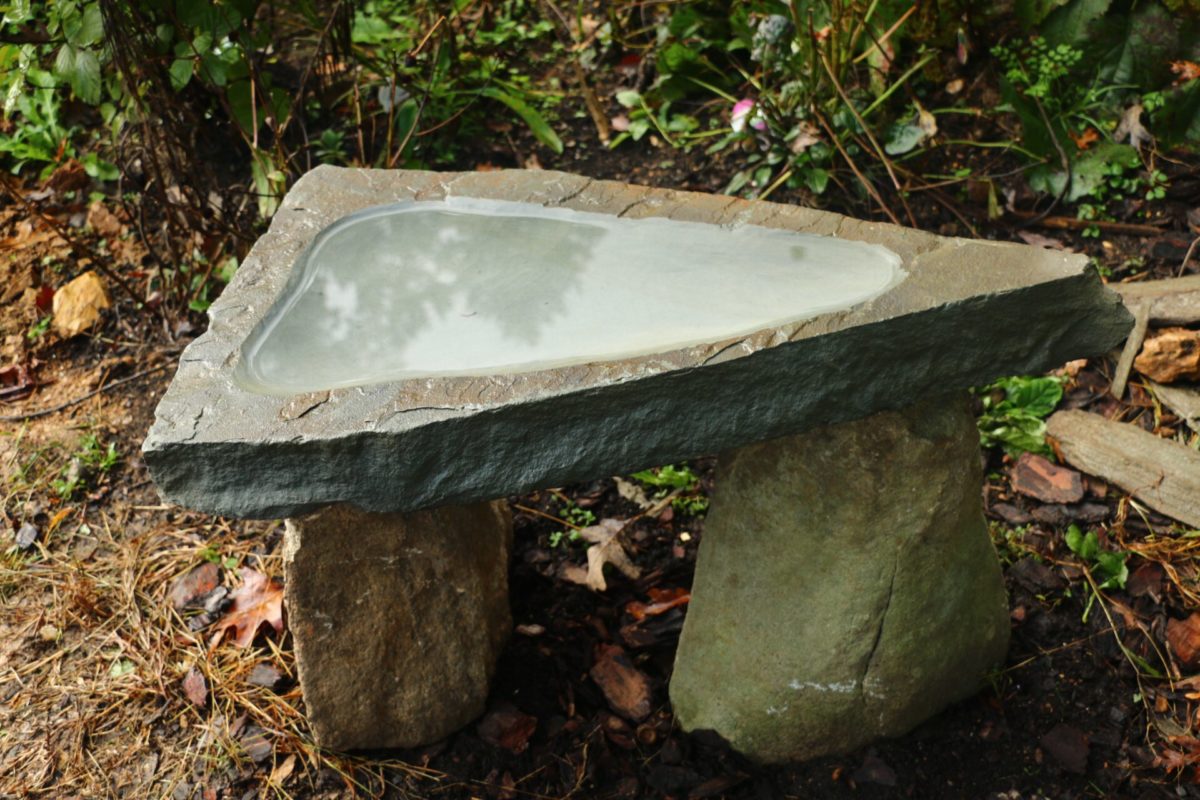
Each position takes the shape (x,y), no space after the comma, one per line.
(1184,400)
(1173,355)
(1162,474)
(625,687)
(1175,301)
(1037,477)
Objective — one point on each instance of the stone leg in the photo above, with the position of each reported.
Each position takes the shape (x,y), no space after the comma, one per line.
(846,587)
(398,619)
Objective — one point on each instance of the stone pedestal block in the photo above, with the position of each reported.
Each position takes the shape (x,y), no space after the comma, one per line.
(846,587)
(398,619)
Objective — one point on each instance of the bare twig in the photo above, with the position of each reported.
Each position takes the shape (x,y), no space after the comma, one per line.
(45,412)
(1141,319)
(870,187)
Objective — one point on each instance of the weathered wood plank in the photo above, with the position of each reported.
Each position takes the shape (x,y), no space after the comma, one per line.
(1183,399)
(1175,301)
(1162,474)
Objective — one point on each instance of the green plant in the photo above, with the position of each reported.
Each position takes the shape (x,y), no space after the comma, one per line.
(811,74)
(38,329)
(91,458)
(576,516)
(676,478)
(213,555)
(1013,413)
(1107,569)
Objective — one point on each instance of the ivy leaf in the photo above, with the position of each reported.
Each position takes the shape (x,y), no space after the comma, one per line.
(81,69)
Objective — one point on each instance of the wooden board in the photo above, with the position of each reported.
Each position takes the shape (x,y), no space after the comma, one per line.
(1175,301)
(1164,475)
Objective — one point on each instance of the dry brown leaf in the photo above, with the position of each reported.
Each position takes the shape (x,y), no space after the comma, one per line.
(633,493)
(195,687)
(104,222)
(283,770)
(257,602)
(1185,70)
(1184,638)
(607,548)
(1131,128)
(194,585)
(1084,140)
(77,305)
(663,600)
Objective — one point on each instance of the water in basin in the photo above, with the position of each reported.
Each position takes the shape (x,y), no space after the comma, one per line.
(479,287)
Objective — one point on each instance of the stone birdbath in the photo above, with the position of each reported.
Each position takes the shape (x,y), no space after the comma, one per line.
(401,348)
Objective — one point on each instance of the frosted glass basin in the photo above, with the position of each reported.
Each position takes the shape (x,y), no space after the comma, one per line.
(479,287)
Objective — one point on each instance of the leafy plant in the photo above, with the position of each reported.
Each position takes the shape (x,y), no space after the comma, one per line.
(576,516)
(1013,412)
(1107,567)
(682,478)
(90,458)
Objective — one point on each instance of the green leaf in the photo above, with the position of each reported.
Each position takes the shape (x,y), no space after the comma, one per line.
(1111,567)
(903,138)
(86,29)
(629,98)
(1032,12)
(18,11)
(98,168)
(537,124)
(81,69)
(180,73)
(1072,24)
(816,179)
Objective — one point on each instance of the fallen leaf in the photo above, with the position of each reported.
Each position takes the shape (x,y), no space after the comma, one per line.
(663,600)
(1037,477)
(806,136)
(633,492)
(1185,70)
(16,381)
(195,585)
(27,534)
(1184,638)
(265,675)
(104,222)
(625,687)
(283,770)
(1084,140)
(1173,355)
(257,602)
(508,727)
(256,743)
(77,305)
(1130,127)
(1038,240)
(195,687)
(607,548)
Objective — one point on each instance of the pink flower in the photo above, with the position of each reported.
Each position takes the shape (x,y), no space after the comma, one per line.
(747,112)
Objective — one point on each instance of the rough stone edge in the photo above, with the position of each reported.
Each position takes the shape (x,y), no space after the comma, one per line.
(659,419)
